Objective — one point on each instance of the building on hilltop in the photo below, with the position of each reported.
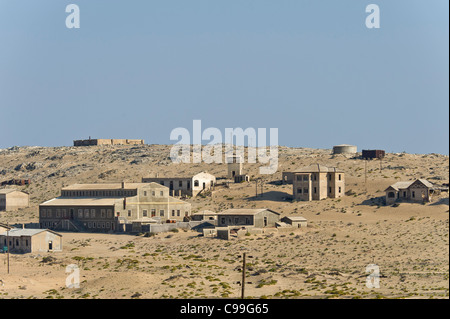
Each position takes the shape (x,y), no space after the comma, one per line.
(91,142)
(107,207)
(318,182)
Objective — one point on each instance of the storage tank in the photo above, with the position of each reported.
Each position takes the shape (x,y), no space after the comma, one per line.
(344,149)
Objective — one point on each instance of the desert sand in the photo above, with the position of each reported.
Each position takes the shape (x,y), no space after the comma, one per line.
(328,259)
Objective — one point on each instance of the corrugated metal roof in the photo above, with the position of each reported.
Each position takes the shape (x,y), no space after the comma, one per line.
(111,186)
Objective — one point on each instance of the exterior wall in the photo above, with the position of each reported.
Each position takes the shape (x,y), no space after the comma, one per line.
(266,219)
(370,154)
(287,177)
(235,220)
(416,192)
(302,186)
(336,184)
(78,218)
(14,200)
(263,219)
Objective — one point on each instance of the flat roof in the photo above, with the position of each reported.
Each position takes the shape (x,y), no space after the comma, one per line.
(110,186)
(82,201)
(296,218)
(8,190)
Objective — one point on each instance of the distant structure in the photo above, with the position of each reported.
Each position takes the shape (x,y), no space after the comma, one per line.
(373,154)
(295,221)
(317,182)
(12,199)
(22,241)
(19,182)
(419,190)
(235,166)
(345,149)
(91,142)
(108,207)
(185,185)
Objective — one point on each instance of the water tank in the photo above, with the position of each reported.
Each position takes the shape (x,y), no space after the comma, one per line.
(344,149)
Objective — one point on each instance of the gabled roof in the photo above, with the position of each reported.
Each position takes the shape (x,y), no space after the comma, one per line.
(245,211)
(9,190)
(404,185)
(17,232)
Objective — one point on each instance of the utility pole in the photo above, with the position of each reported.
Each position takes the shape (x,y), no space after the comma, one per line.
(243,276)
(7,243)
(365,174)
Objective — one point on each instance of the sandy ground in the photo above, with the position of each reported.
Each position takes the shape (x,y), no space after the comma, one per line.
(409,243)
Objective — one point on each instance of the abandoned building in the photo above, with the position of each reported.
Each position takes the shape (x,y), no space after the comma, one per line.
(318,182)
(93,142)
(21,241)
(373,154)
(419,190)
(186,185)
(295,221)
(107,207)
(12,199)
(258,218)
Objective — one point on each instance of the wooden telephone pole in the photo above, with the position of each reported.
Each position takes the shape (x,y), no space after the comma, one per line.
(7,245)
(243,277)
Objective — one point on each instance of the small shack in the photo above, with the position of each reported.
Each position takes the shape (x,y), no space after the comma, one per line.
(22,241)
(295,221)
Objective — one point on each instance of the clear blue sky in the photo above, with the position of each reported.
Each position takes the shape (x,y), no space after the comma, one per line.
(138,69)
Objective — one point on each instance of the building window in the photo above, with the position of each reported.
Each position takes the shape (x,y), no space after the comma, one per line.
(58,213)
(305,190)
(92,213)
(414,194)
(103,213)
(144,213)
(161,212)
(173,212)
(222,220)
(145,193)
(109,213)
(153,193)
(161,193)
(153,212)
(80,213)
(315,190)
(339,189)
(86,213)
(329,189)
(299,190)
(305,178)
(196,183)
(178,212)
(299,177)
(339,176)
(180,184)
(188,185)
(391,195)
(129,213)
